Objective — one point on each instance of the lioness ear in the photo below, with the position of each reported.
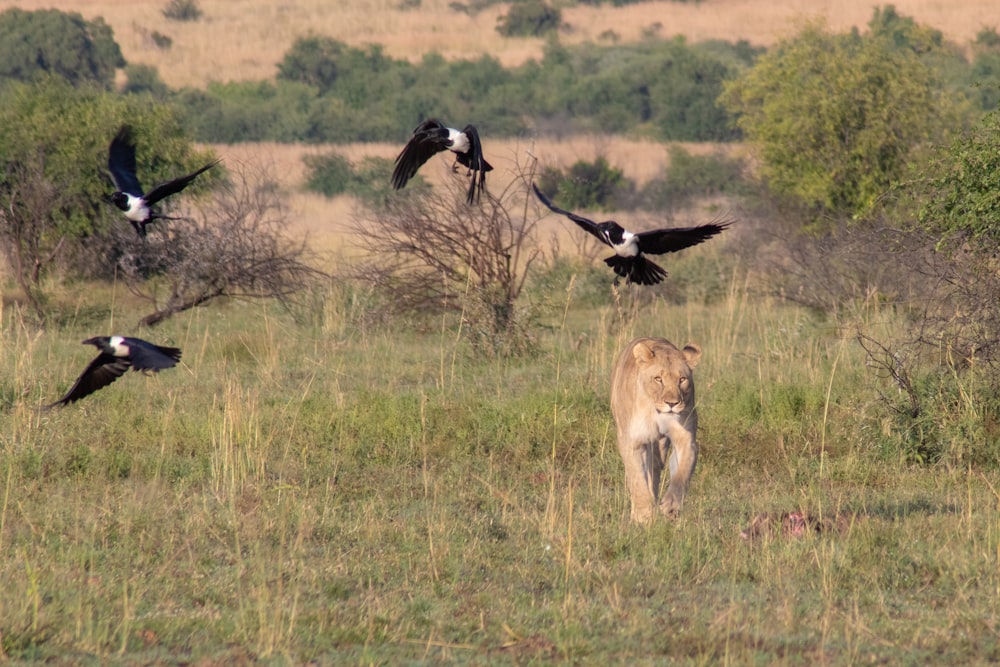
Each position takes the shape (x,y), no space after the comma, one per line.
(692,352)
(642,353)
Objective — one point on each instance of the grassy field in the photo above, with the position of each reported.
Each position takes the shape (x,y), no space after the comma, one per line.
(317,485)
(323,484)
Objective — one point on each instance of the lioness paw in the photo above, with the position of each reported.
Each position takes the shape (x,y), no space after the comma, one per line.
(670,508)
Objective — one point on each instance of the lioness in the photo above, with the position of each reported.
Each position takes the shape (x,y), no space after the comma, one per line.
(652,400)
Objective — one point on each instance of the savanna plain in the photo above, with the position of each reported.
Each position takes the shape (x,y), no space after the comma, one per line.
(321,483)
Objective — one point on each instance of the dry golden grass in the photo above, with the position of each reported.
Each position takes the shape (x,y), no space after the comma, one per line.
(327,220)
(246,39)
(640,160)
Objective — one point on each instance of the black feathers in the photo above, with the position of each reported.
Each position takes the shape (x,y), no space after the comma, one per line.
(629,261)
(129,196)
(117,355)
(432,137)
(121,163)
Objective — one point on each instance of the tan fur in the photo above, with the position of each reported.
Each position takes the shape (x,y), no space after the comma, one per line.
(652,400)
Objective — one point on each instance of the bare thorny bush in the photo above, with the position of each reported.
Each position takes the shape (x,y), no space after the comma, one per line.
(233,246)
(837,269)
(432,252)
(28,235)
(945,300)
(939,370)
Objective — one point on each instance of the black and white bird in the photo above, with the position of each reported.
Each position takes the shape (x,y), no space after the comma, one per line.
(117,355)
(630,261)
(129,197)
(432,137)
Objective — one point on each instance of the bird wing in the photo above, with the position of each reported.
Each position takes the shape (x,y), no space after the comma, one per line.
(121,162)
(584,223)
(175,186)
(474,160)
(661,241)
(429,138)
(146,356)
(101,372)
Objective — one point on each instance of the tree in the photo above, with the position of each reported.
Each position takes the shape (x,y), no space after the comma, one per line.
(529,18)
(182,10)
(234,247)
(985,73)
(903,32)
(957,223)
(836,117)
(72,127)
(49,41)
(689,177)
(312,60)
(328,174)
(587,185)
(961,206)
(53,188)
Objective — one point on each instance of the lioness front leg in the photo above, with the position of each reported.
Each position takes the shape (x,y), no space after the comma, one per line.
(642,475)
(683,457)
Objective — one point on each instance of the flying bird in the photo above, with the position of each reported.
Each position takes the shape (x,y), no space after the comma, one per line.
(129,197)
(432,137)
(630,261)
(117,355)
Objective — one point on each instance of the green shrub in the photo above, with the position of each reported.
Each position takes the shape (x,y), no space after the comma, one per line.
(530,18)
(49,41)
(249,111)
(312,60)
(145,79)
(328,174)
(988,38)
(160,40)
(370,180)
(837,118)
(666,89)
(691,176)
(182,10)
(587,185)
(983,79)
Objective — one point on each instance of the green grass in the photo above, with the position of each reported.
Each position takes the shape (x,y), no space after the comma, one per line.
(309,489)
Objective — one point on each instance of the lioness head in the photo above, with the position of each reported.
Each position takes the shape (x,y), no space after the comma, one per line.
(664,374)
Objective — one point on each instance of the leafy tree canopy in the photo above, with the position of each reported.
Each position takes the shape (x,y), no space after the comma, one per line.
(835,117)
(962,199)
(903,32)
(529,18)
(664,88)
(586,185)
(49,41)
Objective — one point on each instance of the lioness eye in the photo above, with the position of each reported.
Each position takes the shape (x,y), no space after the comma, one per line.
(658,379)
(683,380)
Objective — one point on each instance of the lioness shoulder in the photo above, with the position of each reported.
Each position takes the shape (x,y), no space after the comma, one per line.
(653,404)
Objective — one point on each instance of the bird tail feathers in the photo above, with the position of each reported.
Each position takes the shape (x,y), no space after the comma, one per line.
(637,269)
